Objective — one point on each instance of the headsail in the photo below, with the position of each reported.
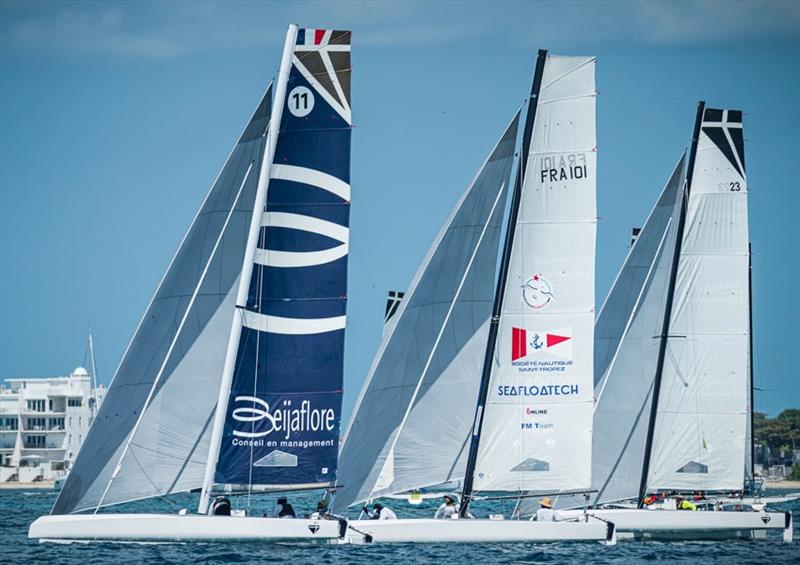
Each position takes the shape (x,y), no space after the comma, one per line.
(177,353)
(282,414)
(701,426)
(537,425)
(426,369)
(627,334)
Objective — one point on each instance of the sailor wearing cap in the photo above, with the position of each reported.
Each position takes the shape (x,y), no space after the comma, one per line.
(449,508)
(546,512)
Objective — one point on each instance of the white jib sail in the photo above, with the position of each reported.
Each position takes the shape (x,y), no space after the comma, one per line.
(410,427)
(627,339)
(537,429)
(701,424)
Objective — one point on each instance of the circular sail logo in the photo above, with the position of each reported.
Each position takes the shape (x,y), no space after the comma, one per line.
(537,292)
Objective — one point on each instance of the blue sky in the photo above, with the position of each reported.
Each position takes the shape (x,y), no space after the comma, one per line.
(116,117)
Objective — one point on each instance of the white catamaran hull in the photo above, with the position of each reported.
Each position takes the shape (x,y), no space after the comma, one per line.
(483,531)
(688,525)
(761,502)
(173,527)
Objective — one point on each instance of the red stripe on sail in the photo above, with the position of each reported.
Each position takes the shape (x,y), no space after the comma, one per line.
(519,343)
(318,35)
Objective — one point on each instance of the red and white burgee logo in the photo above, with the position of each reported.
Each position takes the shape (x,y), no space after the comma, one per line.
(553,342)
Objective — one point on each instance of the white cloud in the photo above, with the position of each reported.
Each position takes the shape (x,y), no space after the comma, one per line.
(172,29)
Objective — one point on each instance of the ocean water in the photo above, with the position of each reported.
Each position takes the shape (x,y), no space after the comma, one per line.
(18,508)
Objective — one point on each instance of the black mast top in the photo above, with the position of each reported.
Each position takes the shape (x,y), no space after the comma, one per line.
(501,282)
(662,348)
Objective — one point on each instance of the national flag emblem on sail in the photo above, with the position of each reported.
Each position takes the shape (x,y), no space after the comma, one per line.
(553,342)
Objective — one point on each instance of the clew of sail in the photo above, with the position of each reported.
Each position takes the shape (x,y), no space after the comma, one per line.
(702,419)
(176,355)
(537,426)
(283,409)
(427,366)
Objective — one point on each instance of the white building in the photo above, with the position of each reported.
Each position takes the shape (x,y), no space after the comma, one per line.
(43,423)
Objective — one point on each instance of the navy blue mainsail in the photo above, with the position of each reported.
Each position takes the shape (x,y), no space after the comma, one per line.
(283,412)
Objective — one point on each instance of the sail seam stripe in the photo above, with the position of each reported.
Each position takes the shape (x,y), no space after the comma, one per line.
(311,177)
(291,326)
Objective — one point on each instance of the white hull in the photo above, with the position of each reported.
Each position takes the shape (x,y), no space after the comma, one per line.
(761,502)
(466,531)
(689,525)
(174,527)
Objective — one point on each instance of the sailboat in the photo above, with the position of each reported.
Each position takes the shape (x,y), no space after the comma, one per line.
(232,383)
(673,376)
(484,375)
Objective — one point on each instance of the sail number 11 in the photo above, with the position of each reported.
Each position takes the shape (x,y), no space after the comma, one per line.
(300,101)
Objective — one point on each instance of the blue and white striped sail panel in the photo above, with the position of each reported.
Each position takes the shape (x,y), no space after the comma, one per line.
(177,352)
(282,422)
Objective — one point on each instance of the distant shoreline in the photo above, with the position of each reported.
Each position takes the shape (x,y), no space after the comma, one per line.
(783,485)
(20,486)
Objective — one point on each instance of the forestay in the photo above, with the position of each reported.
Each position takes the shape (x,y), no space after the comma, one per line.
(427,368)
(176,355)
(282,417)
(537,427)
(701,425)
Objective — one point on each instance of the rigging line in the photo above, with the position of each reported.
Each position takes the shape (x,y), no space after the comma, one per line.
(160,373)
(263,241)
(443,326)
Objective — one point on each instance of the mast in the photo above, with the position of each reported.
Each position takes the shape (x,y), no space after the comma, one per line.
(505,262)
(91,359)
(662,349)
(752,387)
(247,266)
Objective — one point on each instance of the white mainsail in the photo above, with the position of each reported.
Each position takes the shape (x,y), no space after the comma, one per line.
(408,430)
(537,425)
(702,421)
(176,356)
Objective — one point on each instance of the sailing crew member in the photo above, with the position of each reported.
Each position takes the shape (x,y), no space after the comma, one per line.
(321,513)
(380,512)
(449,508)
(283,509)
(546,512)
(684,504)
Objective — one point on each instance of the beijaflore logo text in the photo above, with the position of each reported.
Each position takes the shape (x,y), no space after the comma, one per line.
(286,419)
(555,342)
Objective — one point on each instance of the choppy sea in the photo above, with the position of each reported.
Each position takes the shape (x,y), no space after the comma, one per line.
(18,508)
